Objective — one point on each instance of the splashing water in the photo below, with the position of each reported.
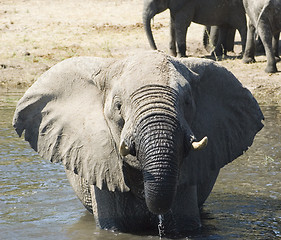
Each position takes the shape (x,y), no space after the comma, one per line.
(161,226)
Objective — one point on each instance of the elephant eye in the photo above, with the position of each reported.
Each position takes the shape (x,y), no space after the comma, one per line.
(117,104)
(117,113)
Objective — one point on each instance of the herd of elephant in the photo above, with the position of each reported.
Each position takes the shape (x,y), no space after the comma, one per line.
(225,16)
(146,136)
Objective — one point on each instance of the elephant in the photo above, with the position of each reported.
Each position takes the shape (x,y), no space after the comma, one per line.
(140,137)
(265,21)
(207,12)
(211,37)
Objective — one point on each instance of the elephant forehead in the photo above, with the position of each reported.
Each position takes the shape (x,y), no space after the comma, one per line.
(146,69)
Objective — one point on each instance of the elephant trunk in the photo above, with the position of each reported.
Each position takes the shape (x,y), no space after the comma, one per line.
(158,154)
(160,141)
(157,142)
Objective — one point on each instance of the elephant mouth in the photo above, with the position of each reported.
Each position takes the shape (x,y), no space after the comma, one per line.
(134,179)
(144,182)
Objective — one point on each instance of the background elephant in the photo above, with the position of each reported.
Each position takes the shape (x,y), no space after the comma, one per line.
(126,133)
(211,38)
(221,13)
(265,20)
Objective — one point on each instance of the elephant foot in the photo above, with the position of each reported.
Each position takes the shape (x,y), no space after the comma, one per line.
(181,55)
(240,55)
(248,60)
(178,226)
(277,59)
(216,57)
(217,53)
(181,52)
(271,69)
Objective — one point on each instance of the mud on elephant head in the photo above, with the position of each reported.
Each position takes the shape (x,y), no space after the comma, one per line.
(132,126)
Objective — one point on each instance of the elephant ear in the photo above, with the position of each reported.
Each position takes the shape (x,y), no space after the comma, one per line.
(226,113)
(62,115)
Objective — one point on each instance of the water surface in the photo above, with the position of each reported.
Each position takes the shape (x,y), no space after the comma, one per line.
(37,202)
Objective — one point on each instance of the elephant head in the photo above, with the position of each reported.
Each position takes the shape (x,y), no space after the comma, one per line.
(146,112)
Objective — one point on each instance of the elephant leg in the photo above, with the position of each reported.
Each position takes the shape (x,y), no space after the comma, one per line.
(265,34)
(81,188)
(244,37)
(204,189)
(259,47)
(230,39)
(173,49)
(214,35)
(206,38)
(210,38)
(184,214)
(181,26)
(249,53)
(275,45)
(121,211)
(220,48)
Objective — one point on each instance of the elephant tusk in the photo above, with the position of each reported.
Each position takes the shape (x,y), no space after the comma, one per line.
(200,145)
(124,149)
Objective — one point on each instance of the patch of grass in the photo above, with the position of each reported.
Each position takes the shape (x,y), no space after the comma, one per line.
(107,46)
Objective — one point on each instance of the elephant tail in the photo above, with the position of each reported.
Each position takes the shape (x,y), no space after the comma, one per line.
(265,7)
(150,9)
(147,16)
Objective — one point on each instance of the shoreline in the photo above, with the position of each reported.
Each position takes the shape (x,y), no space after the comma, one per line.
(37,35)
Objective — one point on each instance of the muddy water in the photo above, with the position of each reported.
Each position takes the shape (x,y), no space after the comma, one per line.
(36,201)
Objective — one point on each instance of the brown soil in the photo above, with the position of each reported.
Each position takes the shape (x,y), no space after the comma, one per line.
(37,34)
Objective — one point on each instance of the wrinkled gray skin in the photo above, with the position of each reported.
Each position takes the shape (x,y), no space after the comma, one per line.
(265,20)
(124,128)
(207,12)
(211,39)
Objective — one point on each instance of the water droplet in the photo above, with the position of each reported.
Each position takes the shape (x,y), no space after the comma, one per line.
(161,226)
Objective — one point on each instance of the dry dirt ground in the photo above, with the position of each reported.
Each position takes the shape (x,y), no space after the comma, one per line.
(36,34)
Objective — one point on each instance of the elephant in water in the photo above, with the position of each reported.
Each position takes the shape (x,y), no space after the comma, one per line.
(222,13)
(132,134)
